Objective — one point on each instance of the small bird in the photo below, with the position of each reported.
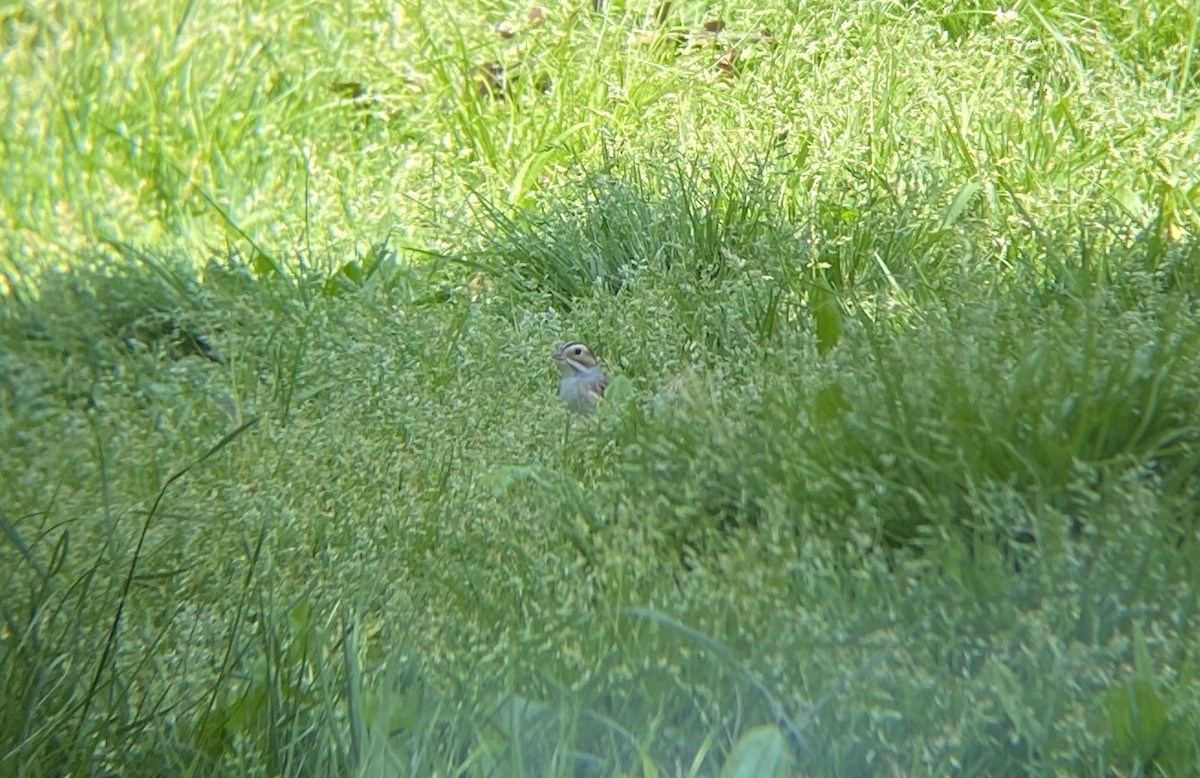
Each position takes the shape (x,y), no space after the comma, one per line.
(583,382)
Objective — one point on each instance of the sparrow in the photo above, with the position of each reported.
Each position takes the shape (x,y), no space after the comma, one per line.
(583,382)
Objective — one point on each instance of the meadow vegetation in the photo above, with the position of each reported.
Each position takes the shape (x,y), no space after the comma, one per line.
(898,474)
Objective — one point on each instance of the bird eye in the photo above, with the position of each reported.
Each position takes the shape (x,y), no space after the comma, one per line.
(578,351)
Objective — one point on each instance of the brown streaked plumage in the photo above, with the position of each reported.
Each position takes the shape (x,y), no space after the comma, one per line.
(583,382)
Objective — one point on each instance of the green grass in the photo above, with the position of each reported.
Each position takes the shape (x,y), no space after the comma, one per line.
(897,477)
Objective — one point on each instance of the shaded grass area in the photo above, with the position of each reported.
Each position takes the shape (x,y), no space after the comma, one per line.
(852,517)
